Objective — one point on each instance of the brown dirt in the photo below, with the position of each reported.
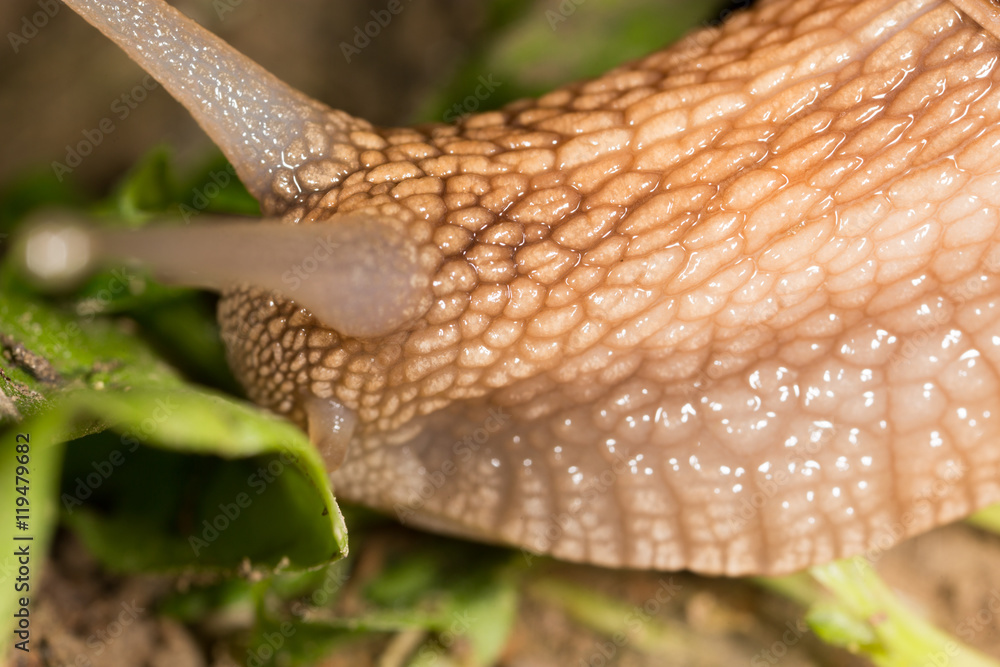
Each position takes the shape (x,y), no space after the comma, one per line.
(87,617)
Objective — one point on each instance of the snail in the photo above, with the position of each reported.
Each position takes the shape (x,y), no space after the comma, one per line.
(732,307)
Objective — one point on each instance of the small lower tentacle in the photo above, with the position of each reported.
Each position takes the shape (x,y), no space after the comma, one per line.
(331,427)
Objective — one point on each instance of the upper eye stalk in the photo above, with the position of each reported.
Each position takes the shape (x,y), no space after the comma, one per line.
(255,118)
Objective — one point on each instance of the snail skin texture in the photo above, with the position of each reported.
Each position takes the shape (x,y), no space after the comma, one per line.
(733,307)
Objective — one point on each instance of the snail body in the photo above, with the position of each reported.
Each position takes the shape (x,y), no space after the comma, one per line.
(732,307)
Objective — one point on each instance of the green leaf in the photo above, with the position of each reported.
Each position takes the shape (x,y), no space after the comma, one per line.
(148,187)
(271,505)
(488,617)
(987,519)
(159,474)
(517,58)
(440,598)
(901,637)
(19,575)
(836,626)
(850,606)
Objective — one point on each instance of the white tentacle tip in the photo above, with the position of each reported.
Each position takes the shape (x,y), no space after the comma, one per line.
(57,253)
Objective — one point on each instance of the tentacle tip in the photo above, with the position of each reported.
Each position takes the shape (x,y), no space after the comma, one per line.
(331,427)
(57,253)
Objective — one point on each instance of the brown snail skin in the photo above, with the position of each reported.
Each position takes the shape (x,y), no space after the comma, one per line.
(732,307)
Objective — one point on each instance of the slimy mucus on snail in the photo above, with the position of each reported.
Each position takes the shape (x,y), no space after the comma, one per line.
(732,307)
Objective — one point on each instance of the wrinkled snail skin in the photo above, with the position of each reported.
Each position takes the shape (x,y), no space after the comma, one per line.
(734,307)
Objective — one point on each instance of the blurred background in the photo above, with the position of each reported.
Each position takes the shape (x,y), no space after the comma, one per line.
(65,76)
(59,77)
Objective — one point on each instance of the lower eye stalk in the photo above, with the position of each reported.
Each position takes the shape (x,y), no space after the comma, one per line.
(356,274)
(331,426)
